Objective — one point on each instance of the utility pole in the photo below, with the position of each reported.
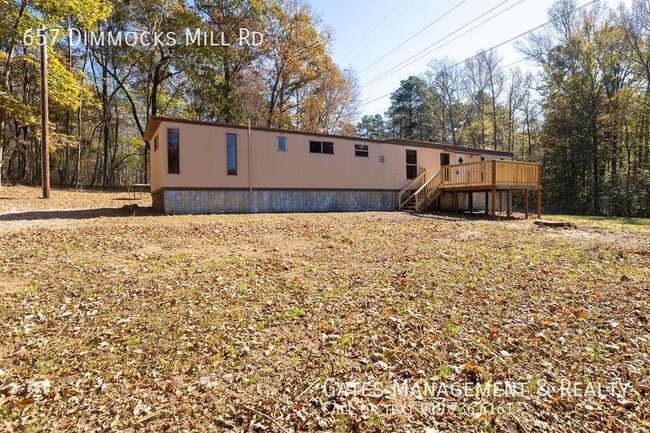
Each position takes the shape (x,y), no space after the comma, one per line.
(45,117)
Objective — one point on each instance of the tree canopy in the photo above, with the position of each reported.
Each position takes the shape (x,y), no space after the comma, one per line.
(102,94)
(583,111)
(585,115)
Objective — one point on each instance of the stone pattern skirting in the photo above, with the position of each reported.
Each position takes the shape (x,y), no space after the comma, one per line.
(263,201)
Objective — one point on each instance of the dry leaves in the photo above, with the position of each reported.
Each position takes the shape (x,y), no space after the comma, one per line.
(271,322)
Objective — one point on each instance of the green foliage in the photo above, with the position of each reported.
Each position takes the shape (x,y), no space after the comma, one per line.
(24,113)
(596,113)
(411,110)
(372,127)
(84,12)
(99,93)
(586,117)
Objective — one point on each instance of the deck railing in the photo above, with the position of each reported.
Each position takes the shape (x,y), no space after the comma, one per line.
(482,175)
(493,173)
(517,173)
(465,175)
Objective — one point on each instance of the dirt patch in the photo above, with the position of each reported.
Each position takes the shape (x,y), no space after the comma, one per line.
(11,284)
(27,211)
(24,198)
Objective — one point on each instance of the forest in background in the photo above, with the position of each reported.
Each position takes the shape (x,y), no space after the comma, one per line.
(584,112)
(102,95)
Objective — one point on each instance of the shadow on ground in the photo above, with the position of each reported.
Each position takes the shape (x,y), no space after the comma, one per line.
(465,216)
(78,214)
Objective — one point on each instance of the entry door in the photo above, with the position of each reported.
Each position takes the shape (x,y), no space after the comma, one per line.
(411,164)
(444,160)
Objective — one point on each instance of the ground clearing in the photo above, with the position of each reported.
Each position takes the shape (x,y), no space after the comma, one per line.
(121,320)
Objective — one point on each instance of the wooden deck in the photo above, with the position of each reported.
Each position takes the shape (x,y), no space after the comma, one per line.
(492,177)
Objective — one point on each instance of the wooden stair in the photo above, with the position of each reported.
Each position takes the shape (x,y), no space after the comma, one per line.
(405,196)
(481,176)
(418,200)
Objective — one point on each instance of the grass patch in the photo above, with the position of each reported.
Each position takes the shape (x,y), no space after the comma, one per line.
(289,316)
(629,221)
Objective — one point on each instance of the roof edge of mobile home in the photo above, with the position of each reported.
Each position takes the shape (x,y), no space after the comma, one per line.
(155,121)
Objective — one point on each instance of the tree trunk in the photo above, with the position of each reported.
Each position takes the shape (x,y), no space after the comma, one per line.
(77,170)
(6,78)
(494,120)
(96,170)
(106,117)
(111,173)
(596,166)
(628,197)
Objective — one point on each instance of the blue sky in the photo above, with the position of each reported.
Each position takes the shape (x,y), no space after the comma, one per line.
(366,30)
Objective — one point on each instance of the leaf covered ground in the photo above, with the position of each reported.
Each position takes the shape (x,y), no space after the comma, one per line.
(116,319)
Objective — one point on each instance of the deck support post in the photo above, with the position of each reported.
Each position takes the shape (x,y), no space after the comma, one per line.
(471,202)
(526,209)
(509,204)
(494,202)
(454,201)
(487,203)
(539,203)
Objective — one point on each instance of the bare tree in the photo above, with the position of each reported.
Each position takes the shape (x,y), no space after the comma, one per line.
(476,90)
(495,79)
(515,95)
(446,79)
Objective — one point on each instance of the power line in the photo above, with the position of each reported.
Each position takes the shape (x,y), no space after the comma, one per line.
(504,43)
(374,100)
(387,25)
(515,38)
(492,48)
(378,25)
(427,50)
(388,94)
(392,71)
(414,35)
(514,63)
(378,111)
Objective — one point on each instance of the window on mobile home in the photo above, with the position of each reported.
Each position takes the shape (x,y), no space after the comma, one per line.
(411,164)
(361,150)
(321,147)
(328,148)
(173,151)
(282,144)
(231,153)
(155,143)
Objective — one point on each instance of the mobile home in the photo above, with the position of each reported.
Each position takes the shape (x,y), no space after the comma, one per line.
(205,167)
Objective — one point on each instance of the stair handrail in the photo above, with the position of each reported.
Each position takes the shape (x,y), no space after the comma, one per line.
(409,186)
(428,189)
